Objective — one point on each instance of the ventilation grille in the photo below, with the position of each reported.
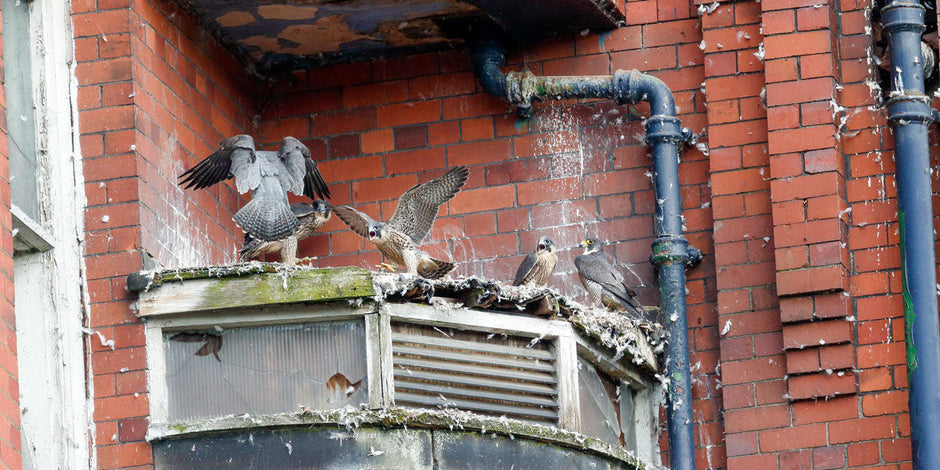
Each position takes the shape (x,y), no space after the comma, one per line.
(489,374)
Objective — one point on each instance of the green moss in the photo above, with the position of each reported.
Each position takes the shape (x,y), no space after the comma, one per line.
(307,285)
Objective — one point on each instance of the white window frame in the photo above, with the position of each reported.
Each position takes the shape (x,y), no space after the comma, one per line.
(55,388)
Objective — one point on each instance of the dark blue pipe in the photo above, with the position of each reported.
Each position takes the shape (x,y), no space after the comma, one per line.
(671,253)
(909,113)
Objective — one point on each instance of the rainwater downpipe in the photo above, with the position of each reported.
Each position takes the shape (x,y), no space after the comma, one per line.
(909,113)
(671,251)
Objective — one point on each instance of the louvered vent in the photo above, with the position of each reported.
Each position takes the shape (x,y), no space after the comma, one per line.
(484,373)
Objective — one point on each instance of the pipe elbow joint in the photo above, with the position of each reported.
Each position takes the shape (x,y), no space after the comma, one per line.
(487,59)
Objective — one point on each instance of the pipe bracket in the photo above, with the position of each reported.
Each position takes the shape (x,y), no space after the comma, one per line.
(910,106)
(674,249)
(666,129)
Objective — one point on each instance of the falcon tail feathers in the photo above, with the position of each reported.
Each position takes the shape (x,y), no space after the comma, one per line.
(252,249)
(267,220)
(430,271)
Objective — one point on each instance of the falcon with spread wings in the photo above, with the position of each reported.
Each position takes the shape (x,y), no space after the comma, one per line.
(399,238)
(269,175)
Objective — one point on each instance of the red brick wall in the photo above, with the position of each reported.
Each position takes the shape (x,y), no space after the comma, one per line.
(795,316)
(156,94)
(812,360)
(573,170)
(10,456)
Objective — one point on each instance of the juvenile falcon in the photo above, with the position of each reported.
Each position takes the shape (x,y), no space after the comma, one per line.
(268,175)
(604,284)
(311,218)
(399,238)
(537,267)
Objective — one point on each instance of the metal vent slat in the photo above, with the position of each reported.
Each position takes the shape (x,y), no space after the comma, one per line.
(475,370)
(475,358)
(519,387)
(486,347)
(449,391)
(406,398)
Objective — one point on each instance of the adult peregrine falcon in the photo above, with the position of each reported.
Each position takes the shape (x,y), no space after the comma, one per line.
(311,218)
(398,238)
(268,175)
(537,267)
(604,284)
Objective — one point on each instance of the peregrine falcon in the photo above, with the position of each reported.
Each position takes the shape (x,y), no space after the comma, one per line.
(398,238)
(604,284)
(268,175)
(311,218)
(537,267)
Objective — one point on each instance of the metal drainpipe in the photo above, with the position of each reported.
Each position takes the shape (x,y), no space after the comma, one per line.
(909,113)
(671,251)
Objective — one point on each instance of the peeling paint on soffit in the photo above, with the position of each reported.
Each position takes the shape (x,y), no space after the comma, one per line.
(277,36)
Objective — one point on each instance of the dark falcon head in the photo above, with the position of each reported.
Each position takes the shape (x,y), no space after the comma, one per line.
(590,245)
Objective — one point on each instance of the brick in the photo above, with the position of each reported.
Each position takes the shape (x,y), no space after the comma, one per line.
(837,357)
(757,418)
(807,233)
(827,458)
(884,403)
(753,370)
(374,94)
(124,455)
(797,44)
(807,138)
(802,91)
(863,453)
(821,385)
(794,437)
(126,406)
(802,361)
(896,450)
(485,199)
(825,411)
(817,333)
(818,279)
(479,152)
(862,429)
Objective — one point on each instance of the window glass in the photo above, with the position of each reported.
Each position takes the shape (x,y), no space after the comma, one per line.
(266,369)
(21,121)
(606,407)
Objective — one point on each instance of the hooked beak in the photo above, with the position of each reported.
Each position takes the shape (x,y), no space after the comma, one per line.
(542,247)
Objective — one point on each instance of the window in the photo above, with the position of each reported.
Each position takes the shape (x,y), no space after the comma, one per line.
(276,357)
(47,196)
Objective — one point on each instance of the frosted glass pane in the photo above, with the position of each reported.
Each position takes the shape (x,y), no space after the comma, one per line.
(264,370)
(600,405)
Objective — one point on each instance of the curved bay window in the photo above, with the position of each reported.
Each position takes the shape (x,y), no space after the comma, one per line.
(333,360)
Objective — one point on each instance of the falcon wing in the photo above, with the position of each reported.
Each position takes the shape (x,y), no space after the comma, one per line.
(596,268)
(524,269)
(417,208)
(303,174)
(313,182)
(235,157)
(356,220)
